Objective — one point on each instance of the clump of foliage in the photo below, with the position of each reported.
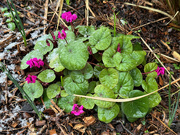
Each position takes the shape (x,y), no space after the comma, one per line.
(90,61)
(11,25)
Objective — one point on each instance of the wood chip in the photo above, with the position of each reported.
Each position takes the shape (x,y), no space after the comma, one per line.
(40,123)
(80,127)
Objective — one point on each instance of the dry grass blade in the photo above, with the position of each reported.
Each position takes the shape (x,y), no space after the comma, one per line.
(87,12)
(127,99)
(60,12)
(45,14)
(152,9)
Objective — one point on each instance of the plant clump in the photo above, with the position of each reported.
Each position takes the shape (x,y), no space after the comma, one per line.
(94,63)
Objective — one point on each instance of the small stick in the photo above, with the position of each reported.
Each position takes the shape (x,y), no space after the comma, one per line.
(87,12)
(166,45)
(45,14)
(127,99)
(167,57)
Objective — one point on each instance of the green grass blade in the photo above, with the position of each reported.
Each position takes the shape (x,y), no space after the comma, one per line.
(3,68)
(19,25)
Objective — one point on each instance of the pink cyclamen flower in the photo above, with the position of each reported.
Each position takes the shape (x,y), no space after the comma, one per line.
(34,62)
(160,70)
(62,35)
(119,48)
(31,79)
(77,110)
(68,16)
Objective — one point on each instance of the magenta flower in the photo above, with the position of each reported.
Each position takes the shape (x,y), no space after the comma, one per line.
(77,110)
(31,79)
(34,62)
(119,48)
(63,35)
(160,70)
(68,16)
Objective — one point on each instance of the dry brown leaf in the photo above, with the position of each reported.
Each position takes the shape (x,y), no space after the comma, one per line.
(52,132)
(40,123)
(161,81)
(14,124)
(89,120)
(176,55)
(80,127)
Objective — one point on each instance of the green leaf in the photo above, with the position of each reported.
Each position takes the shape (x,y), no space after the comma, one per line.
(53,90)
(4,9)
(108,114)
(125,85)
(32,54)
(74,56)
(85,30)
(87,102)
(136,76)
(91,87)
(137,108)
(75,88)
(11,26)
(42,47)
(70,37)
(7,15)
(125,44)
(33,90)
(150,67)
(111,58)
(149,86)
(98,69)
(9,20)
(56,64)
(105,92)
(46,100)
(47,76)
(109,77)
(101,38)
(63,93)
(80,75)
(66,103)
(131,61)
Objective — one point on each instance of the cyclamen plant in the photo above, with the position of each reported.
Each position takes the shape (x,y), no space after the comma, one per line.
(94,63)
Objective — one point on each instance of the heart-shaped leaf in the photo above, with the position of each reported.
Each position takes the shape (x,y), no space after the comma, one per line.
(74,56)
(87,102)
(75,88)
(149,86)
(150,67)
(101,38)
(91,87)
(137,108)
(11,26)
(124,85)
(33,90)
(85,30)
(79,75)
(98,69)
(47,76)
(109,77)
(103,91)
(70,37)
(32,54)
(131,61)
(111,58)
(53,90)
(108,114)
(46,100)
(56,64)
(66,103)
(136,76)
(42,47)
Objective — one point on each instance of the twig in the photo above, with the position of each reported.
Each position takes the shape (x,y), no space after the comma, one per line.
(127,99)
(152,9)
(168,57)
(173,17)
(150,23)
(124,127)
(87,12)
(60,12)
(163,124)
(45,14)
